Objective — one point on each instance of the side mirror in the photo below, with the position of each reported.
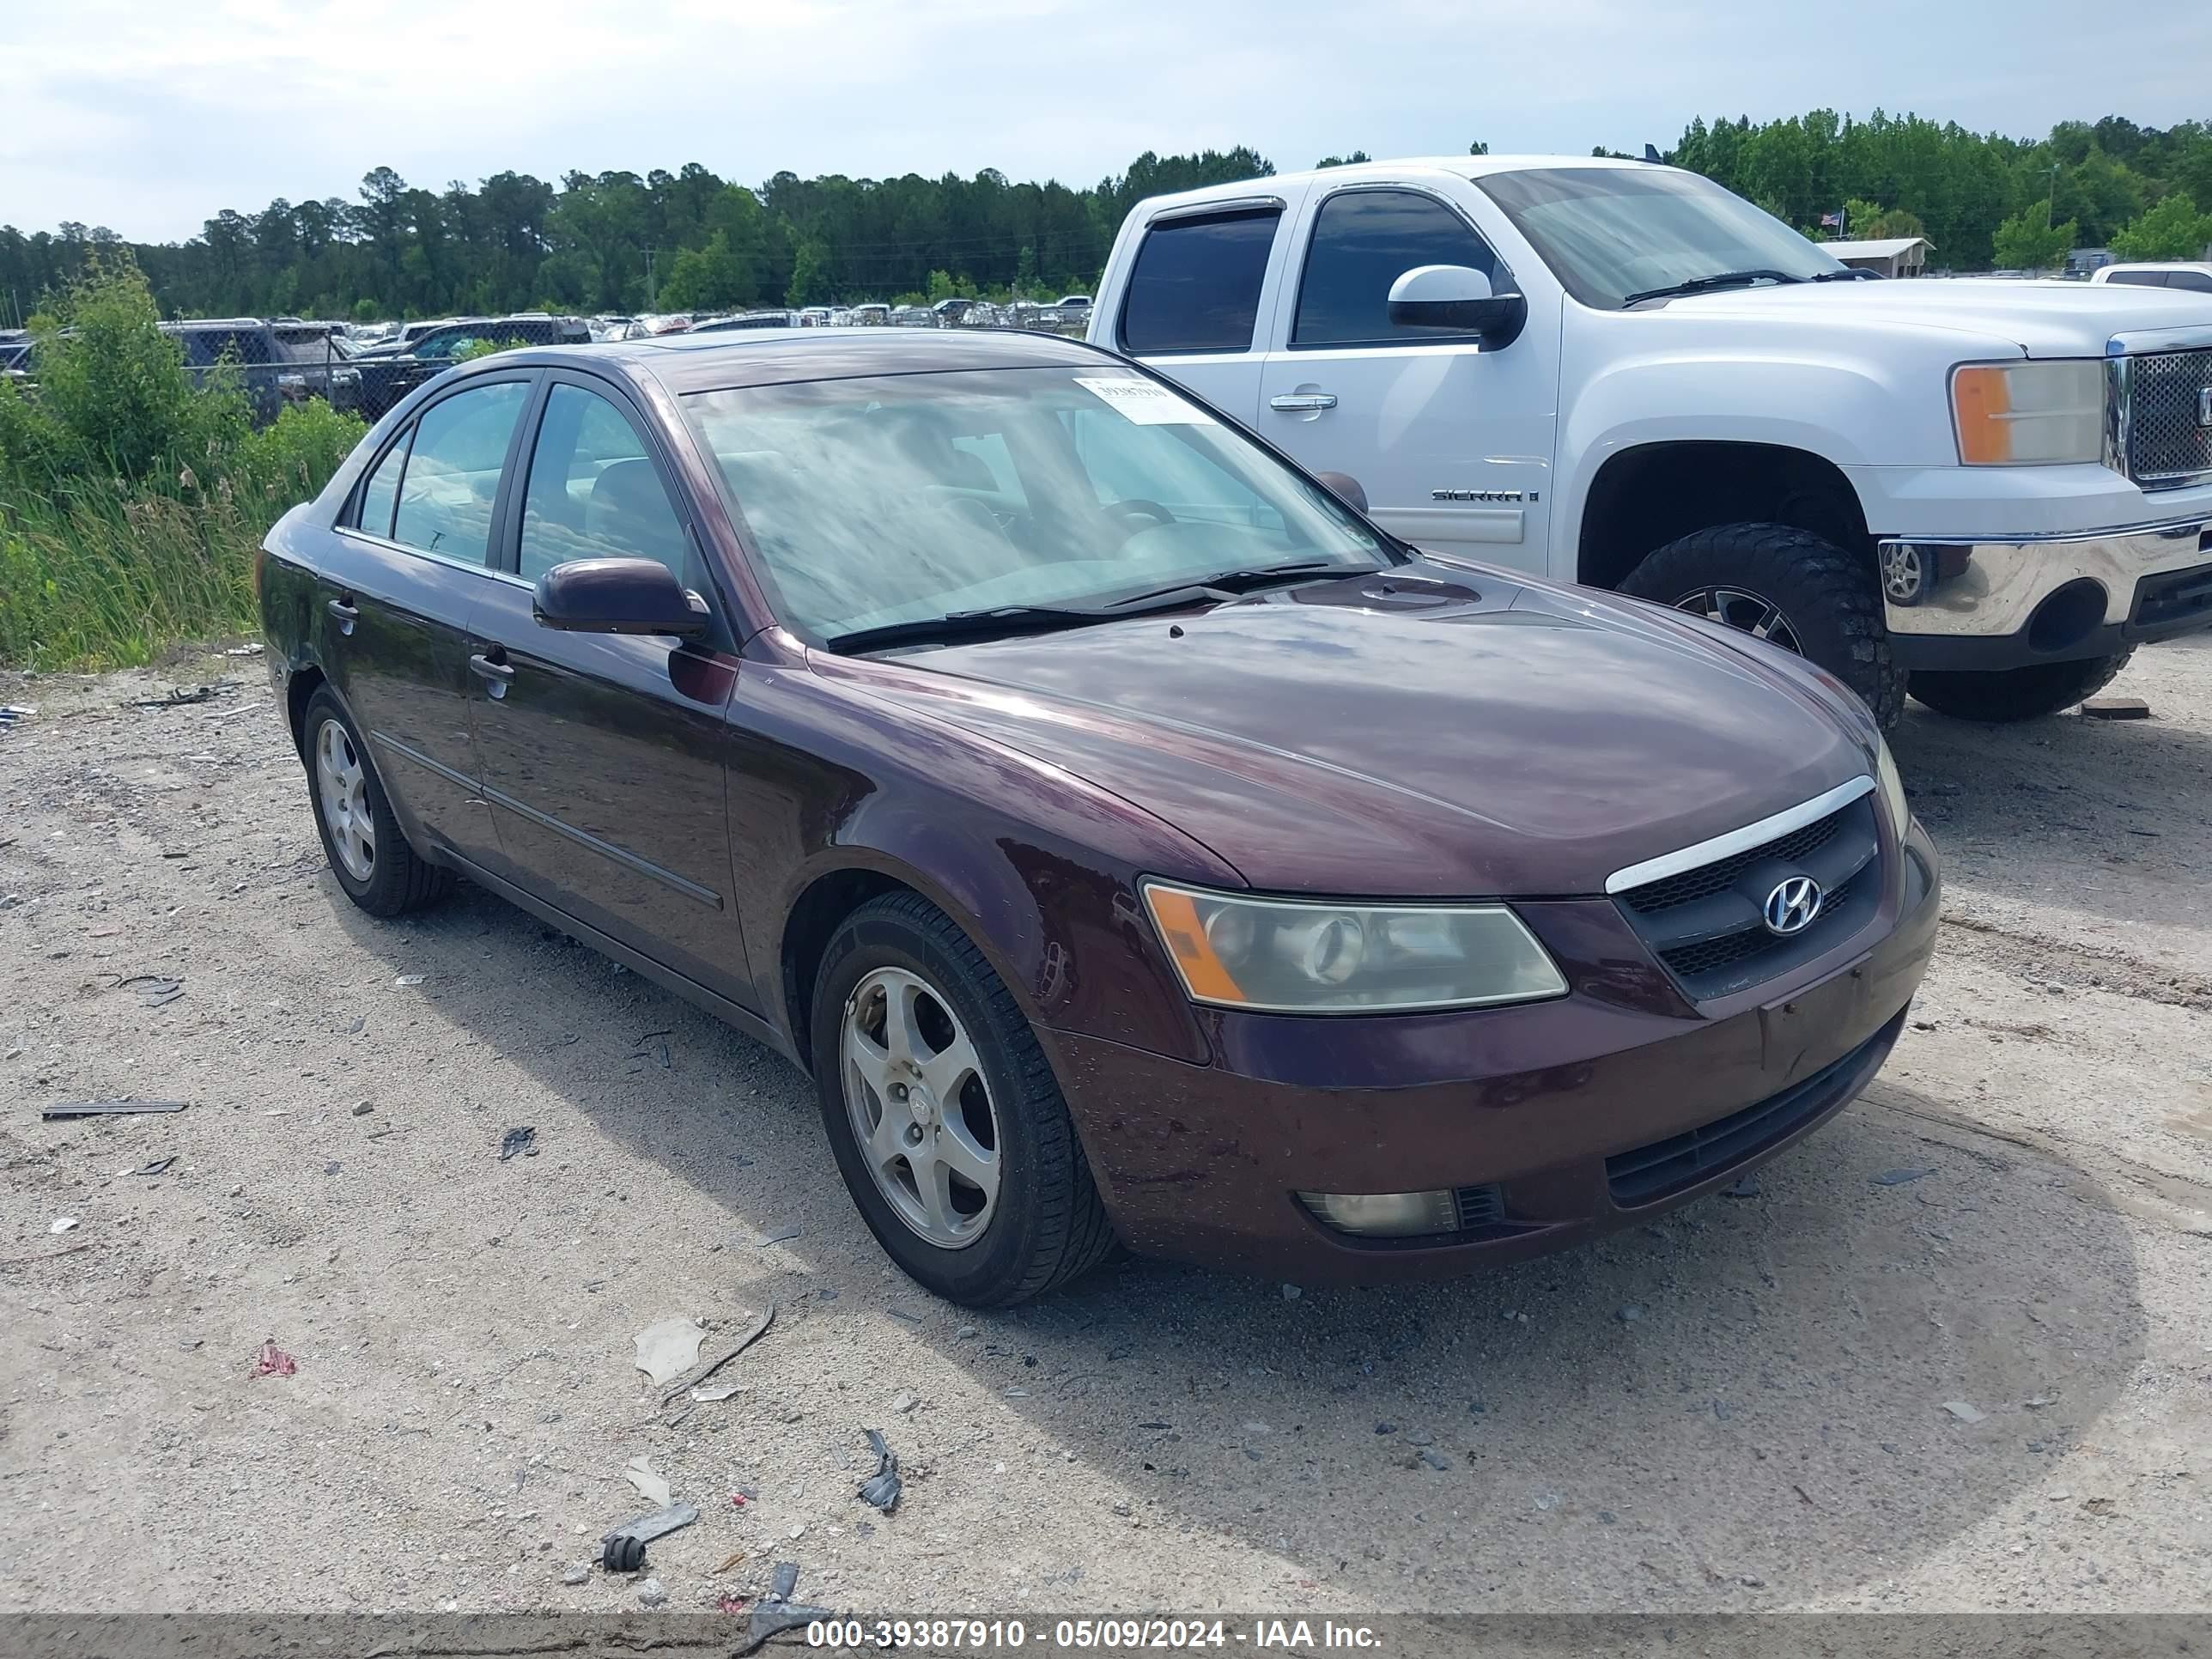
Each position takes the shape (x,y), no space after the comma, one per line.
(1345,487)
(1457,297)
(617,596)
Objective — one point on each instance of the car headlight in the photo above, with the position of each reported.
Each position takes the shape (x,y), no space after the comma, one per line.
(1892,789)
(1293,956)
(2029,414)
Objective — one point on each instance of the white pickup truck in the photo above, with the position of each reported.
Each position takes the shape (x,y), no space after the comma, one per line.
(1622,375)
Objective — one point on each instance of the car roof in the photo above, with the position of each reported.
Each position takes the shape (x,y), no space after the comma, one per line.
(1411,166)
(724,359)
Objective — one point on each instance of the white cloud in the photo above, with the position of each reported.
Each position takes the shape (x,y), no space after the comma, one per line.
(149,117)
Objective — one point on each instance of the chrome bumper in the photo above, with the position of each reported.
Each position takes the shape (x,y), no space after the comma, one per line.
(1952,587)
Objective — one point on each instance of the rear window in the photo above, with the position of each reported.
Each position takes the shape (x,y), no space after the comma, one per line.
(2138,278)
(1196,285)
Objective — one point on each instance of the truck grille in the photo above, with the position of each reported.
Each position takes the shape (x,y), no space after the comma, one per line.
(2166,440)
(1706,925)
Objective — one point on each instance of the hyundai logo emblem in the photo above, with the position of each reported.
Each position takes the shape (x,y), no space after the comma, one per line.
(1792,905)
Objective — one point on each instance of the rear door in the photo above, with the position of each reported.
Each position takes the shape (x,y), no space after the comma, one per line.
(1450,439)
(410,556)
(1202,283)
(604,754)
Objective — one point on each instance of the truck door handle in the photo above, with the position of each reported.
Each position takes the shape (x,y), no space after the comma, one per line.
(344,613)
(1298,402)
(496,676)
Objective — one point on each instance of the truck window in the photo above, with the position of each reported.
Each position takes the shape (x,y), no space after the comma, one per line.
(2196,281)
(1196,285)
(2138,278)
(1363,241)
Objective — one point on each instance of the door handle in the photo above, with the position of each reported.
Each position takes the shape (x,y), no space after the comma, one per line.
(345,614)
(1300,402)
(496,676)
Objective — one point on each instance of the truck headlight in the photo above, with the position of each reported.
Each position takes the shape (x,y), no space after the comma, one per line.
(2029,414)
(1892,789)
(1294,956)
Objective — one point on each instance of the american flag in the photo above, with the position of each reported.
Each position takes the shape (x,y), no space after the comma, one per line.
(1835,219)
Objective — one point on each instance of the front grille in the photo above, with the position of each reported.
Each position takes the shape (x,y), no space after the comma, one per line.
(1707,925)
(1666,1166)
(2167,442)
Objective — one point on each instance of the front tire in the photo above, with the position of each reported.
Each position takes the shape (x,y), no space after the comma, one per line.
(367,852)
(2007,695)
(1790,587)
(946,1121)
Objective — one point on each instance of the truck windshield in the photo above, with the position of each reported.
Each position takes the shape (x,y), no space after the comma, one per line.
(880,501)
(1609,233)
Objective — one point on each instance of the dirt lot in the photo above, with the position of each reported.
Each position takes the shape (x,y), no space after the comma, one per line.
(1741,1406)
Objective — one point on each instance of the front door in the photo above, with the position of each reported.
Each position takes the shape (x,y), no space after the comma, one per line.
(410,558)
(603,754)
(1450,439)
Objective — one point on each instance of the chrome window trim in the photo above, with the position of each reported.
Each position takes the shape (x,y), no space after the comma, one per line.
(1738,841)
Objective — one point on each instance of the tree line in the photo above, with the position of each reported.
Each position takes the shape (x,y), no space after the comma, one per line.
(692,240)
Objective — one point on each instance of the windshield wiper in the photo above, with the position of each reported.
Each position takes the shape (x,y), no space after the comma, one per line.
(1848,274)
(1719,279)
(1242,580)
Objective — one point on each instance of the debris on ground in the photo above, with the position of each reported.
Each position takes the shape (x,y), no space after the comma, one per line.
(1964,1412)
(1745,1186)
(623,1550)
(776,1612)
(153,989)
(753,1334)
(158,1166)
(902,1402)
(411,979)
(180,697)
(2116,708)
(1628,1314)
(652,1593)
(252,649)
(577,1574)
(273,1361)
(108,1108)
(729,1561)
(362,1108)
(1435,1460)
(785,1237)
(730,1604)
(669,1347)
(884,1489)
(523,1140)
(62,1223)
(13,713)
(651,1486)
(1900,1178)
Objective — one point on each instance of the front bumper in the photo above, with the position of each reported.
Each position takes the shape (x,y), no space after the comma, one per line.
(1956,602)
(1567,1118)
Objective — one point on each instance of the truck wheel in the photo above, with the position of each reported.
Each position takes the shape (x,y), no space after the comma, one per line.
(1788,586)
(2005,694)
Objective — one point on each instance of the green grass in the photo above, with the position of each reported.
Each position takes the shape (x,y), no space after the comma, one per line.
(106,576)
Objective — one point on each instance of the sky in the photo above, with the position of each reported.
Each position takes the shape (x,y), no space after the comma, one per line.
(147,117)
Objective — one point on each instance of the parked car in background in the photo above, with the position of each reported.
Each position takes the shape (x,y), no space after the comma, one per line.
(2189,276)
(870,315)
(384,380)
(15,355)
(1073,302)
(269,364)
(778,319)
(1131,839)
(1622,375)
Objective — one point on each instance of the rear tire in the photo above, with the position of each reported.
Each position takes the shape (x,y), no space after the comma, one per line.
(369,852)
(2007,695)
(1041,1222)
(1824,602)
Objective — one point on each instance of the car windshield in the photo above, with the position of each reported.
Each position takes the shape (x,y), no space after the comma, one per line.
(1609,233)
(908,498)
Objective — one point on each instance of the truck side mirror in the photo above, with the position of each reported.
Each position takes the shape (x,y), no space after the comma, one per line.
(1457,297)
(1345,487)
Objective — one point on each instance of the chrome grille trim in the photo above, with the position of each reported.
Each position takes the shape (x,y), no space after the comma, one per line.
(1738,841)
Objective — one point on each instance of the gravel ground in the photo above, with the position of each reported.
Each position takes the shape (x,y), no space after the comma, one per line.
(1742,1407)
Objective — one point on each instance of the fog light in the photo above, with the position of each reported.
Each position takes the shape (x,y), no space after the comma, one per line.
(1386,1215)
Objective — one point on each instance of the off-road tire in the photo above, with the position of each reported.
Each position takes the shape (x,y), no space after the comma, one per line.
(2006,695)
(1830,596)
(1049,1224)
(400,879)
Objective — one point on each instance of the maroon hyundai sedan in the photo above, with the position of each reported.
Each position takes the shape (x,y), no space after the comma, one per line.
(1132,842)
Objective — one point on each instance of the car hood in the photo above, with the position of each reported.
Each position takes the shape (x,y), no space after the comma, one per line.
(1423,732)
(2040,319)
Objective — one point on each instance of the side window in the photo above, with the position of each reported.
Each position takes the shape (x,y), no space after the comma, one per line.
(2139,278)
(452,480)
(1196,284)
(593,493)
(381,493)
(2195,281)
(1363,241)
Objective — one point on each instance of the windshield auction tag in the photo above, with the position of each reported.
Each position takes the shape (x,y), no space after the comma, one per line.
(1147,402)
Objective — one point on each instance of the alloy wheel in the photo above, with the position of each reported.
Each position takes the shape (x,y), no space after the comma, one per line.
(342,786)
(922,1110)
(1741,609)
